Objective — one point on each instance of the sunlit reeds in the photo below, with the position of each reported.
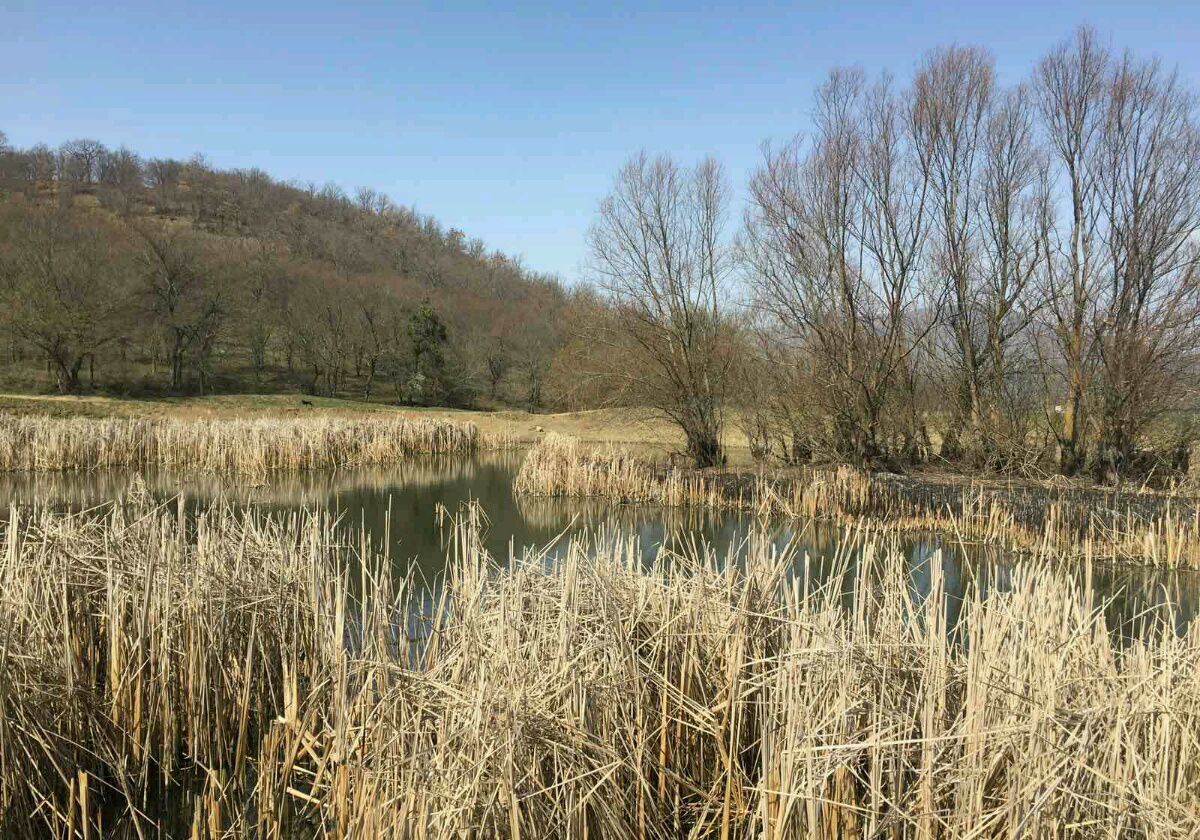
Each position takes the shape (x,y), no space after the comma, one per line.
(248,677)
(1135,527)
(225,446)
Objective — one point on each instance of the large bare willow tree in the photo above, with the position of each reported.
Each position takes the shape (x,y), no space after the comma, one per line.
(833,244)
(1069,84)
(1146,318)
(989,194)
(658,251)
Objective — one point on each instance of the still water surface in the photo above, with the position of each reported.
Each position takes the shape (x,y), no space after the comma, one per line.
(411,493)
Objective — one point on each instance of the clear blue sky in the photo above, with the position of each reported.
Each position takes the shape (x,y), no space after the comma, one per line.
(507,120)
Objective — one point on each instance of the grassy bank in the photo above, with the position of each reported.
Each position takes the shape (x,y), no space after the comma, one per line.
(227,446)
(1153,529)
(629,426)
(160,682)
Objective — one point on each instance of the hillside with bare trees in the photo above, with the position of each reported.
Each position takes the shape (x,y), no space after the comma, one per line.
(133,275)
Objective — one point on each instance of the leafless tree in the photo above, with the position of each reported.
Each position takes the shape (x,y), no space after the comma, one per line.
(41,165)
(120,173)
(659,252)
(497,360)
(1015,213)
(1147,298)
(834,241)
(10,166)
(187,296)
(1070,85)
(64,286)
(80,160)
(164,176)
(374,317)
(321,318)
(989,193)
(952,94)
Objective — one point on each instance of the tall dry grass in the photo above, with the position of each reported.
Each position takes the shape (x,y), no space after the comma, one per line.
(227,447)
(249,677)
(290,488)
(1136,528)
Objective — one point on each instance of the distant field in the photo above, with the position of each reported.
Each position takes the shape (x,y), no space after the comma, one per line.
(636,427)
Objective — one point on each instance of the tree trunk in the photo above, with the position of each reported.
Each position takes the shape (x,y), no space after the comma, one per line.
(1070,453)
(371,365)
(705,450)
(703,431)
(67,374)
(177,353)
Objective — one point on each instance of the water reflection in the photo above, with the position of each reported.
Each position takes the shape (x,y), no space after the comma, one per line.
(396,507)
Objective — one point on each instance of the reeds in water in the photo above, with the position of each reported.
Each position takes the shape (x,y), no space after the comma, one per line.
(1159,531)
(242,676)
(227,447)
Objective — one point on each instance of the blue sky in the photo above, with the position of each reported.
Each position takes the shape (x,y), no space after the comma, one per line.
(505,120)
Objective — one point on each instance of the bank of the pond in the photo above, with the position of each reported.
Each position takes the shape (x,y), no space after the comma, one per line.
(228,446)
(1141,528)
(183,680)
(628,426)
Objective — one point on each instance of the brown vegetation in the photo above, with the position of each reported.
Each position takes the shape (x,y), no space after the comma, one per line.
(945,270)
(126,275)
(252,678)
(238,447)
(1155,529)
(1014,272)
(665,338)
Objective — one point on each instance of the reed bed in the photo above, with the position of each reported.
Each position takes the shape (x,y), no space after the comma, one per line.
(1161,531)
(242,676)
(295,488)
(227,447)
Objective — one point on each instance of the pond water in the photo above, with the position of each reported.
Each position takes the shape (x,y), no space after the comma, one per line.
(410,494)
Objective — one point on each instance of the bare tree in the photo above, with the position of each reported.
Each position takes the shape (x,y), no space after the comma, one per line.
(63,286)
(952,95)
(187,293)
(10,165)
(164,177)
(1015,213)
(1070,88)
(1147,300)
(321,318)
(658,251)
(834,240)
(41,166)
(120,173)
(80,160)
(374,313)
(497,360)
(989,193)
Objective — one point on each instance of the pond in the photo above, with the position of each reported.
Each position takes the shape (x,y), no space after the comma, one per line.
(409,495)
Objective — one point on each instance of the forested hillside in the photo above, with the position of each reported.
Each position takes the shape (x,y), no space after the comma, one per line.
(134,275)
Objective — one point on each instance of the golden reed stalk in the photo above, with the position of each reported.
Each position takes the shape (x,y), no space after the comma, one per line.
(227,447)
(247,676)
(1134,528)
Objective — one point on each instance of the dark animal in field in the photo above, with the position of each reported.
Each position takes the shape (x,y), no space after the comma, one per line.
(306,402)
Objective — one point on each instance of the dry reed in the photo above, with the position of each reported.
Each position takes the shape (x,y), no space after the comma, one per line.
(227,447)
(241,676)
(1135,528)
(285,488)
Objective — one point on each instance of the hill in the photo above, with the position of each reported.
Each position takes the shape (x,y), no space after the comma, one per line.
(127,275)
